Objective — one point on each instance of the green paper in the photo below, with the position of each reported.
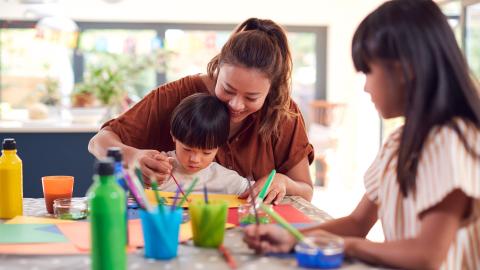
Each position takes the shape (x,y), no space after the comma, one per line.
(30,233)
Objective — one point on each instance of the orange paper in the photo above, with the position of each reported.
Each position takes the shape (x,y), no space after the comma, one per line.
(78,233)
(41,249)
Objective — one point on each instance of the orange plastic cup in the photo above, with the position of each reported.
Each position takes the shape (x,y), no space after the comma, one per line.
(56,187)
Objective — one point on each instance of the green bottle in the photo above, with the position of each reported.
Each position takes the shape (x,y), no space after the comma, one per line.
(107,219)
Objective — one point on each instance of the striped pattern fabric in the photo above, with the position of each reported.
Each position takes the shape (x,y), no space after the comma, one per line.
(444,166)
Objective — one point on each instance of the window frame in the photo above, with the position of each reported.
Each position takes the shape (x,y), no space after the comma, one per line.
(160,28)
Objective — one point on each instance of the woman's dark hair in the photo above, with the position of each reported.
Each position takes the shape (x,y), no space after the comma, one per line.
(439,87)
(263,45)
(201,121)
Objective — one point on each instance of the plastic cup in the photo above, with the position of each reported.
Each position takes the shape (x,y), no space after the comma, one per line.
(160,232)
(208,222)
(56,187)
(246,215)
(71,209)
(327,254)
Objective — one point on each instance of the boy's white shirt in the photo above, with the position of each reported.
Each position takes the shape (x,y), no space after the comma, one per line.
(217,178)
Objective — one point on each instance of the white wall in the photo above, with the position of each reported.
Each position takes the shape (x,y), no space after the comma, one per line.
(360,137)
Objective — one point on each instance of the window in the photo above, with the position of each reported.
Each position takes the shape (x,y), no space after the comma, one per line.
(472,36)
(151,54)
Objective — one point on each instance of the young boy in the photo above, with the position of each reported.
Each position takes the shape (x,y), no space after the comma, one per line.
(200,124)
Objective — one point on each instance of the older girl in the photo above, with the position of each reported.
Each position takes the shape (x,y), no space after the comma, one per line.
(424,185)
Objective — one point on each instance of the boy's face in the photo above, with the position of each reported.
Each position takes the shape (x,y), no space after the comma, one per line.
(193,159)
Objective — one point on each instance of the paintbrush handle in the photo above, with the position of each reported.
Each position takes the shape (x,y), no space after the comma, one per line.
(189,190)
(228,257)
(298,235)
(266,186)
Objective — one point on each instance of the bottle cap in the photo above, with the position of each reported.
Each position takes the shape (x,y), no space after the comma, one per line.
(115,153)
(104,166)
(9,144)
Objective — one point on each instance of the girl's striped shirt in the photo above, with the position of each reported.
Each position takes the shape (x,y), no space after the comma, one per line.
(444,166)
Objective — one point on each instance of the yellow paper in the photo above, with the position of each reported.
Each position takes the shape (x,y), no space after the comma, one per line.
(35,220)
(232,200)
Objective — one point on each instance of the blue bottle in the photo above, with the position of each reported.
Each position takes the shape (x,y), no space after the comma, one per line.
(116,154)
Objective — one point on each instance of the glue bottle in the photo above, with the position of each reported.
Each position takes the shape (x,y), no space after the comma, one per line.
(11,183)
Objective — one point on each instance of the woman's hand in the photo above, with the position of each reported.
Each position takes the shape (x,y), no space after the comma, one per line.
(275,193)
(268,239)
(153,164)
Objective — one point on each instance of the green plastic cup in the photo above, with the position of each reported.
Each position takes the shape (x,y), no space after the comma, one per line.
(208,222)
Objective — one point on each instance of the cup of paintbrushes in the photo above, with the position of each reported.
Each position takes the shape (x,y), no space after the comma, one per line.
(160,232)
(208,222)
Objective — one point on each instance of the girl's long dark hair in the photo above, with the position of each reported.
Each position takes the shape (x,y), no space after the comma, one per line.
(439,87)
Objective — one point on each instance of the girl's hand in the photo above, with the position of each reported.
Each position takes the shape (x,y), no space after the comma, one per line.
(268,239)
(275,193)
(153,164)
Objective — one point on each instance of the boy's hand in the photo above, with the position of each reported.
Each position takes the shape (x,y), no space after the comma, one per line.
(268,238)
(154,165)
(275,193)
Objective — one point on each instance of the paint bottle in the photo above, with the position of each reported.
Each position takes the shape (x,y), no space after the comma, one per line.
(11,181)
(107,219)
(116,154)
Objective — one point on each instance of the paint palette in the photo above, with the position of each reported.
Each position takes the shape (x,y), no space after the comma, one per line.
(327,254)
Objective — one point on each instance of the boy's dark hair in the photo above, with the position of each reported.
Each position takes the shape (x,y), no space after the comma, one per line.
(201,121)
(439,87)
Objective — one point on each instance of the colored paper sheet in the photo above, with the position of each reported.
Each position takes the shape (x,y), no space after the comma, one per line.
(78,233)
(30,233)
(233,200)
(41,249)
(288,212)
(35,220)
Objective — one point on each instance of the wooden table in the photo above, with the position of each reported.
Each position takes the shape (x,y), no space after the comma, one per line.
(189,256)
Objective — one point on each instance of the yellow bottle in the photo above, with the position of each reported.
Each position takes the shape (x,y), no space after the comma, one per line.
(11,184)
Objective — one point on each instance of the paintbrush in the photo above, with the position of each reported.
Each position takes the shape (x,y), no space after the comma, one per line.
(189,190)
(257,219)
(177,194)
(205,193)
(132,188)
(298,235)
(176,183)
(228,257)
(266,186)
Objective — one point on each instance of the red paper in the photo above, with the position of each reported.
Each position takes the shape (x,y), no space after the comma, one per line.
(287,211)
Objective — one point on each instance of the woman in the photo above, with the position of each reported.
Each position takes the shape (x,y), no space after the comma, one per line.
(252,76)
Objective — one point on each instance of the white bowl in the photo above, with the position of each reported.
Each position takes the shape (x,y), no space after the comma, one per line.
(88,115)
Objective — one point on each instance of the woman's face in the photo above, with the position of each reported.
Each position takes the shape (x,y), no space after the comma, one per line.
(386,89)
(243,89)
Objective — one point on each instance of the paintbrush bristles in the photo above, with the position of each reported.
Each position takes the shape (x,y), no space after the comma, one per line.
(252,202)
